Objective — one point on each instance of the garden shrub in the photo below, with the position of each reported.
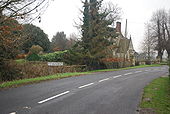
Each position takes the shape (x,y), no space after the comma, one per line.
(54,57)
(36,49)
(33,57)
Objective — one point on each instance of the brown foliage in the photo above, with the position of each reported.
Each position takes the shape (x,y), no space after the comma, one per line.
(10,33)
(112,60)
(21,56)
(36,49)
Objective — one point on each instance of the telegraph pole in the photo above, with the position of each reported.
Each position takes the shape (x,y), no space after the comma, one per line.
(126,29)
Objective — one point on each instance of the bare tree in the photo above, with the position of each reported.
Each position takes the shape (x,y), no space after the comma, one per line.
(148,42)
(72,39)
(113,11)
(22,9)
(167,28)
(158,21)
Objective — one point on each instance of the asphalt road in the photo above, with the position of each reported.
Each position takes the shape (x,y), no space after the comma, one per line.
(117,92)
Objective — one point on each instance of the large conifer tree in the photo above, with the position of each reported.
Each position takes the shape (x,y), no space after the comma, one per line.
(85,26)
(94,33)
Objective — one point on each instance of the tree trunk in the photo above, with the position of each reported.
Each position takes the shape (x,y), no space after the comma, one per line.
(168,42)
(159,42)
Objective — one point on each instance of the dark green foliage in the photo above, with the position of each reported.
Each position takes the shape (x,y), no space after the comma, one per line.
(33,57)
(75,56)
(35,36)
(86,25)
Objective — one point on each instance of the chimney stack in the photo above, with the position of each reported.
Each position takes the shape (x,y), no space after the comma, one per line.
(118,27)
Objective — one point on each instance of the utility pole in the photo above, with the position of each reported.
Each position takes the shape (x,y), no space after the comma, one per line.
(126,29)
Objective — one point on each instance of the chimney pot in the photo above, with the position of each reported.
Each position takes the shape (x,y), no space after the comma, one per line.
(118,27)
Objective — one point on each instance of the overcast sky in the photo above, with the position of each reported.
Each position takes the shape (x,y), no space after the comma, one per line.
(61,14)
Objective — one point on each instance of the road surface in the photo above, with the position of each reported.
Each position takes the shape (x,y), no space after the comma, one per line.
(117,92)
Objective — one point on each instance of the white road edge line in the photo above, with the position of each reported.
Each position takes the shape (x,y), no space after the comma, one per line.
(85,85)
(117,76)
(104,79)
(53,97)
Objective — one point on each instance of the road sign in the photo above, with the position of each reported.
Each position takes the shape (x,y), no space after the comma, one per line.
(55,63)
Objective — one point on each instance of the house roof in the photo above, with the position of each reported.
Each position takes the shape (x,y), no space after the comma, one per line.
(123,45)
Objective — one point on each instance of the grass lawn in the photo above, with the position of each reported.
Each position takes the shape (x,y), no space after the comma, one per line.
(16,83)
(157,96)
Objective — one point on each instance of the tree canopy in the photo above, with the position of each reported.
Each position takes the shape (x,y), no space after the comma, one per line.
(33,35)
(24,10)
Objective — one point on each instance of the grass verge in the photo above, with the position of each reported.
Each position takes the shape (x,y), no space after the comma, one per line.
(16,83)
(157,96)
(141,66)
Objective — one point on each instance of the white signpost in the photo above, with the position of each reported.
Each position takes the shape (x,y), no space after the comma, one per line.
(55,63)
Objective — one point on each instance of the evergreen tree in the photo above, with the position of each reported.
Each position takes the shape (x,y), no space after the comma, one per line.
(33,35)
(85,26)
(59,41)
(95,33)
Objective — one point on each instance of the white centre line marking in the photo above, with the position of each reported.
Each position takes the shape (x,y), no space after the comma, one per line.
(53,97)
(104,79)
(117,76)
(85,85)
(12,113)
(138,71)
(128,73)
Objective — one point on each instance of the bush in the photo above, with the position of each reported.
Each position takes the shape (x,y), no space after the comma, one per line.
(33,57)
(36,49)
(54,57)
(148,62)
(9,71)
